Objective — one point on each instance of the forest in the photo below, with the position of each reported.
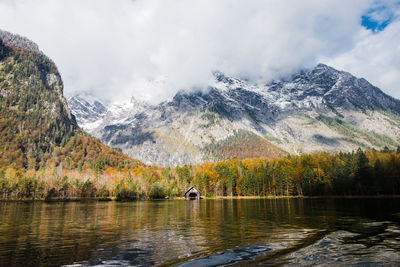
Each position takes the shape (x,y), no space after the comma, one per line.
(318,174)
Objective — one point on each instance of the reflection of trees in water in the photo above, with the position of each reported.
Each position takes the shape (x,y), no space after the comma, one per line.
(159,231)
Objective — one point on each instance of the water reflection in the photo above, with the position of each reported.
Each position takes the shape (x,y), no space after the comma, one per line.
(210,232)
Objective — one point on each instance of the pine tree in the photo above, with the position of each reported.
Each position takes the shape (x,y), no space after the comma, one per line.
(379,177)
(307,180)
(363,173)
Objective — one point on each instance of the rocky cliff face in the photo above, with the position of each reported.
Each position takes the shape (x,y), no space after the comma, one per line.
(35,119)
(31,93)
(318,109)
(88,114)
(17,41)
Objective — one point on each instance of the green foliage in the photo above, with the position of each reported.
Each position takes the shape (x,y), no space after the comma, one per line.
(349,130)
(211,119)
(156,191)
(63,185)
(87,189)
(5,188)
(27,187)
(50,194)
(273,139)
(363,173)
(307,180)
(99,166)
(126,192)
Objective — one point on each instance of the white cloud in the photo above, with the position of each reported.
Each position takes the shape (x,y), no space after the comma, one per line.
(153,48)
(375,57)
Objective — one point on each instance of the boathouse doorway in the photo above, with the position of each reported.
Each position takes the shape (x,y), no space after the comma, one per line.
(192,193)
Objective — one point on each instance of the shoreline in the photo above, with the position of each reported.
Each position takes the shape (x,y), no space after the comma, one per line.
(302,197)
(113,199)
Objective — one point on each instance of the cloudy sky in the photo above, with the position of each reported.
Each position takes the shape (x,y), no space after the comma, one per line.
(152,48)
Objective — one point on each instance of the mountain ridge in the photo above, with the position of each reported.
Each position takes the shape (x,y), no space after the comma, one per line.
(312,110)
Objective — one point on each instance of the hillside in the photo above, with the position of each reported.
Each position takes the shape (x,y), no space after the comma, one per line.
(320,109)
(37,128)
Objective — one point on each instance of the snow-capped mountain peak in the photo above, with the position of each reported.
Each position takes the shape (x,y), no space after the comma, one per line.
(317,109)
(88,115)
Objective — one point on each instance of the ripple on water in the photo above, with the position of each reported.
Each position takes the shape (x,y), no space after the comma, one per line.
(334,249)
(227,257)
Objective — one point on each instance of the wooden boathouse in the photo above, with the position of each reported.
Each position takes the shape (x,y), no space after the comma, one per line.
(192,193)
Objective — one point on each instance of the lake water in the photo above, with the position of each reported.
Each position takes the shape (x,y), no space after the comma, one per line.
(293,232)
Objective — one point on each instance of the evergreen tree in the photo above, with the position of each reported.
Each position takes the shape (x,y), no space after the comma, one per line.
(99,166)
(363,173)
(307,181)
(379,177)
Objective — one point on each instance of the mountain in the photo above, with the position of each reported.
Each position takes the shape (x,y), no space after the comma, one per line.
(322,109)
(37,128)
(87,114)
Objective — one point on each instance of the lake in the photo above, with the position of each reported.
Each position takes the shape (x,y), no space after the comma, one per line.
(270,232)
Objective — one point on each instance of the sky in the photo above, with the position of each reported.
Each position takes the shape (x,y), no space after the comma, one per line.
(150,49)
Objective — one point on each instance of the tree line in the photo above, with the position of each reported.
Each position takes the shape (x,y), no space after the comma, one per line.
(317,174)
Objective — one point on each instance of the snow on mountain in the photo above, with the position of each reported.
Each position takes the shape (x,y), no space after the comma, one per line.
(88,115)
(318,109)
